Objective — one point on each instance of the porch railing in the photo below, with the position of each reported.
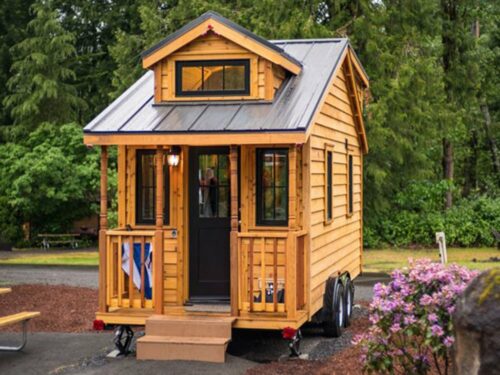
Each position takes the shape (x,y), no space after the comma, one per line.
(272,272)
(128,281)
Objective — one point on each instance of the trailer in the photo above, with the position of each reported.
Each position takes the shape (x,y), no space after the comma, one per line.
(239,174)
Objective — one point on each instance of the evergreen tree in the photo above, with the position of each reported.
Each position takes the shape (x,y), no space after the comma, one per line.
(40,88)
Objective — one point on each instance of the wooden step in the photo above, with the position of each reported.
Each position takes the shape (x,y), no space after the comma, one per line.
(189,326)
(207,349)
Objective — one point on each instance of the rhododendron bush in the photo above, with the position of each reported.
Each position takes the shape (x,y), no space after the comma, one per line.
(411,319)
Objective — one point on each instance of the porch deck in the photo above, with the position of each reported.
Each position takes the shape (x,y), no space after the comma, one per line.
(127,316)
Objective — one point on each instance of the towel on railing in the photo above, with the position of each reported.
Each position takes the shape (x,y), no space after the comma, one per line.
(148,265)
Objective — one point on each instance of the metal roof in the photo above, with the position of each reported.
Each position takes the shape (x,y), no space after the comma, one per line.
(291,110)
(216,16)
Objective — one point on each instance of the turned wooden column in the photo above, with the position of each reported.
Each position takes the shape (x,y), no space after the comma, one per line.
(233,163)
(158,243)
(292,188)
(103,227)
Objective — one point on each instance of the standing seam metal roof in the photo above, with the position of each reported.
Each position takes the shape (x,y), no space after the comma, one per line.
(291,110)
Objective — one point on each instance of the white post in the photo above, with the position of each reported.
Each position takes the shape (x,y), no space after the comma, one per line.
(441,241)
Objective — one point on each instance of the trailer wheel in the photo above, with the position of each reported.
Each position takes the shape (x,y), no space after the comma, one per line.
(349,301)
(334,305)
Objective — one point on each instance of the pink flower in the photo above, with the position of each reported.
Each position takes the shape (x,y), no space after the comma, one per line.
(395,328)
(437,330)
(409,319)
(432,318)
(448,341)
(426,300)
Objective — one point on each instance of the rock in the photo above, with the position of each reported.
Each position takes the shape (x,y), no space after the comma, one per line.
(477,327)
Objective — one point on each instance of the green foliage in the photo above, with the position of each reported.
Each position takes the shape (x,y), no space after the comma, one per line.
(419,213)
(39,87)
(50,179)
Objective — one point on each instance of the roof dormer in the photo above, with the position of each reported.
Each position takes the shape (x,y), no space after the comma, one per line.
(212,58)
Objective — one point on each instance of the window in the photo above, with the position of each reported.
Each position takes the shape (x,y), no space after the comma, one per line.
(329,186)
(146,188)
(349,179)
(272,187)
(212,78)
(214,184)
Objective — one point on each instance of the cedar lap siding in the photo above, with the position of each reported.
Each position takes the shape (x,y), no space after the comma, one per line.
(305,96)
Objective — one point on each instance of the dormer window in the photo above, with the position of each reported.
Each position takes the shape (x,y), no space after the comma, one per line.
(212,78)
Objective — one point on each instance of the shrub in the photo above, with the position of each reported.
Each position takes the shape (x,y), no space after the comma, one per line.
(411,319)
(419,213)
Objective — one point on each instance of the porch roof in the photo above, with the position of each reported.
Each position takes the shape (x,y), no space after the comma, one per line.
(293,108)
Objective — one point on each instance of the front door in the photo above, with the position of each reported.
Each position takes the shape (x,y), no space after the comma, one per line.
(209,223)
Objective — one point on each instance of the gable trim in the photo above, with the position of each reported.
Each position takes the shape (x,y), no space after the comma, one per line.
(211,21)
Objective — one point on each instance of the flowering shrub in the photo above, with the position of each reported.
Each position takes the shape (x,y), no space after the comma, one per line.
(411,319)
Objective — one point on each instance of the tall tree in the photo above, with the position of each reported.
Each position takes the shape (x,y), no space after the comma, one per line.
(40,88)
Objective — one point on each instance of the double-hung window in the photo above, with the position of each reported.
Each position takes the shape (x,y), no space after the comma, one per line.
(350,186)
(146,188)
(272,187)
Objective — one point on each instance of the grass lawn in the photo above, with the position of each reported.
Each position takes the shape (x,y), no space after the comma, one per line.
(87,258)
(385,260)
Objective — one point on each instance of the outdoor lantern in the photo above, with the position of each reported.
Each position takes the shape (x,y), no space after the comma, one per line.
(173,156)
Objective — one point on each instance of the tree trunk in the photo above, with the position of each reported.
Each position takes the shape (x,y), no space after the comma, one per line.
(471,167)
(491,140)
(448,168)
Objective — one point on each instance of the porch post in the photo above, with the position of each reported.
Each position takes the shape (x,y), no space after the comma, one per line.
(103,226)
(233,162)
(291,243)
(158,242)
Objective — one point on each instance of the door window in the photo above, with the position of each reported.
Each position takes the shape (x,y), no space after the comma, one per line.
(213,191)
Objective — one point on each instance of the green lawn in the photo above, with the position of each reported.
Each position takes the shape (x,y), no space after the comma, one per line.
(385,260)
(87,258)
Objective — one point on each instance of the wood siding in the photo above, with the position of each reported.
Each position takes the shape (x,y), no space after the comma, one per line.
(336,245)
(265,77)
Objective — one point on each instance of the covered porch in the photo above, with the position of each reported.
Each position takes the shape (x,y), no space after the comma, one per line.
(267,265)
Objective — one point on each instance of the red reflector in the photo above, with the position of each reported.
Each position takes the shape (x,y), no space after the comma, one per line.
(98,325)
(289,333)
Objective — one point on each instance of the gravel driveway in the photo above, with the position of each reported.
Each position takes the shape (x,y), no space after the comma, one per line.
(56,275)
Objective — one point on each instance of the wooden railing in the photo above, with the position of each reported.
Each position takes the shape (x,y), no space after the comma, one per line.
(271,273)
(121,290)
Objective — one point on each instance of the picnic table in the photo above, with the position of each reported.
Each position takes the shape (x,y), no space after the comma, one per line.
(5,290)
(22,317)
(49,239)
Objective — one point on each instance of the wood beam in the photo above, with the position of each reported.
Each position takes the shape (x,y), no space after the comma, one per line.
(103,226)
(233,160)
(158,246)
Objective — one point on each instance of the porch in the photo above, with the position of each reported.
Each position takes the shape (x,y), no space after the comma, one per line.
(267,265)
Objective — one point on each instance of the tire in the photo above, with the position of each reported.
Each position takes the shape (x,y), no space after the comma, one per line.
(349,301)
(333,324)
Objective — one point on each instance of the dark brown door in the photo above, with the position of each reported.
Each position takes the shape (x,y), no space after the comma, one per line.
(209,220)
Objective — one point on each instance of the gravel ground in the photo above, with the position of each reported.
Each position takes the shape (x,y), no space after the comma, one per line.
(55,275)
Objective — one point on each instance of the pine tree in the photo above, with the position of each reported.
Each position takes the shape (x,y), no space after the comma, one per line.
(40,88)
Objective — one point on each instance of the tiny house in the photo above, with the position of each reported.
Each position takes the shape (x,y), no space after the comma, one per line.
(239,189)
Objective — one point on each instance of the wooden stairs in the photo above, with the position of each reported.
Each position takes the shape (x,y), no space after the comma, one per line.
(192,338)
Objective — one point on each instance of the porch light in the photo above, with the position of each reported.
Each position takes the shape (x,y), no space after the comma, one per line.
(174,156)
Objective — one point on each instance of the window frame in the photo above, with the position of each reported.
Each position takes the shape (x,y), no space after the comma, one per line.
(260,220)
(350,185)
(328,184)
(224,62)
(139,220)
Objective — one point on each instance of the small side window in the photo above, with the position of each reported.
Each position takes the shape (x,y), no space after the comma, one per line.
(350,188)
(328,184)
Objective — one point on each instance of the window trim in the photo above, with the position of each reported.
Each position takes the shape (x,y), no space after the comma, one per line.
(328,201)
(182,63)
(259,220)
(138,186)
